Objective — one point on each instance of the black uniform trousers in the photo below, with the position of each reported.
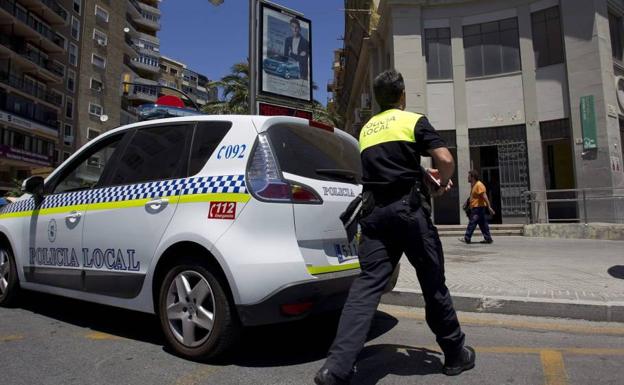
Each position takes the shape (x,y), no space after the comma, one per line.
(388,231)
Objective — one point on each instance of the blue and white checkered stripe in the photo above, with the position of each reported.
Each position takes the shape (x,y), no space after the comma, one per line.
(188,186)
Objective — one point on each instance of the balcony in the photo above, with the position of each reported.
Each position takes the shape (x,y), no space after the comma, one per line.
(31,89)
(148,18)
(143,64)
(44,122)
(24,24)
(134,8)
(49,10)
(131,49)
(29,60)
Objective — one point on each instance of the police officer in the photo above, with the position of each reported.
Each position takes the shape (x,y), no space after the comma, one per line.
(396,220)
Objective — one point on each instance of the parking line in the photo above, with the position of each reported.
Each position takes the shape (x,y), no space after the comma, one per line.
(526,325)
(99,336)
(7,338)
(196,376)
(554,368)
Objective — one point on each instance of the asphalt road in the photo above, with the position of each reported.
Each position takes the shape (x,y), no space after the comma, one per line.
(51,340)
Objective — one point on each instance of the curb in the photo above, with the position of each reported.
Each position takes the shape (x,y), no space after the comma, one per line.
(584,310)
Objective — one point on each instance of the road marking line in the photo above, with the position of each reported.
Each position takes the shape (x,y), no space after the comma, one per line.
(15,337)
(99,336)
(527,350)
(196,376)
(554,368)
(474,321)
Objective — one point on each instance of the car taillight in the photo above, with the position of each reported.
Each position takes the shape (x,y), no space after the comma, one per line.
(264,177)
(265,180)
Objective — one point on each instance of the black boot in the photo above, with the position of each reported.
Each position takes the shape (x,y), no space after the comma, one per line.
(465,360)
(325,377)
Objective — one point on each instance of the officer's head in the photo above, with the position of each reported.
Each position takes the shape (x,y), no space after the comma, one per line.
(389,89)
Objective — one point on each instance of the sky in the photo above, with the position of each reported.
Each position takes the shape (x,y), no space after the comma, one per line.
(211,39)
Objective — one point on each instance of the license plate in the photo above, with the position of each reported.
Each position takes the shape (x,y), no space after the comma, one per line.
(346,252)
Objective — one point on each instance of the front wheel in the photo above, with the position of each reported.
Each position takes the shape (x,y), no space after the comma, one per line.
(9,285)
(195,313)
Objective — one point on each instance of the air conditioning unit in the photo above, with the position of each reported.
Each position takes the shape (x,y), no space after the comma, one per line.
(69,139)
(101,42)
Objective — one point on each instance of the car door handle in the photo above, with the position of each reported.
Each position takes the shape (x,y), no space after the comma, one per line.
(73,217)
(157,204)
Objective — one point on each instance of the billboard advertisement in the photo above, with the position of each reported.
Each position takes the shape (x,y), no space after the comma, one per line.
(285,65)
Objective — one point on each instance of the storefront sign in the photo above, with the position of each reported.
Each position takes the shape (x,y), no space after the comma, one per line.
(24,156)
(588,122)
(274,110)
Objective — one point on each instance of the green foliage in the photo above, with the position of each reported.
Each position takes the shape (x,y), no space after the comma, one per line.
(16,189)
(235,88)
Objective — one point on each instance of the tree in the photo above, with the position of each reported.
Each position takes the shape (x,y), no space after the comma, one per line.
(235,92)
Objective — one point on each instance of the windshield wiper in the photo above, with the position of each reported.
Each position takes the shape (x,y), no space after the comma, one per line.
(348,175)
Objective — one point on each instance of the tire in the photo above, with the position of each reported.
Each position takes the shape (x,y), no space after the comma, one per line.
(9,281)
(199,323)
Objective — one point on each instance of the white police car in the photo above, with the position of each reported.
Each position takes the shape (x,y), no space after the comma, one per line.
(211,222)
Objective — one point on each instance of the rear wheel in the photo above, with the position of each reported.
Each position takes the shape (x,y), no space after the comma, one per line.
(9,285)
(195,313)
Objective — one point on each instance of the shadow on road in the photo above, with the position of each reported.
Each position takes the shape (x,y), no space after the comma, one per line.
(263,346)
(105,319)
(378,361)
(296,342)
(616,271)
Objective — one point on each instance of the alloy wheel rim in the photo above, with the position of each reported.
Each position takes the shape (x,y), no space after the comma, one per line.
(190,308)
(5,269)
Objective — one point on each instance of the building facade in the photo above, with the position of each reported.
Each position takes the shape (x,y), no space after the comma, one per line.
(118,44)
(176,74)
(34,63)
(528,92)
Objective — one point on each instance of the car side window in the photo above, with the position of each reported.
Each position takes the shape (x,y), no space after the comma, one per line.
(207,137)
(154,153)
(87,170)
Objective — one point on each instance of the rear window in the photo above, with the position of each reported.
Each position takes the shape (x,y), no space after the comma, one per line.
(208,135)
(315,153)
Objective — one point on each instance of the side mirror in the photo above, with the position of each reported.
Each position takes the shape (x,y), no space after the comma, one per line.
(33,185)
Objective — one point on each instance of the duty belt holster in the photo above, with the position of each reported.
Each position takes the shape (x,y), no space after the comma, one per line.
(351,217)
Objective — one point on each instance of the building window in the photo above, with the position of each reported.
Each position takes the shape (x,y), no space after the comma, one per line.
(101,14)
(98,61)
(73,54)
(438,53)
(173,71)
(92,133)
(96,85)
(615,30)
(547,40)
(69,107)
(77,6)
(95,109)
(100,37)
(75,28)
(71,80)
(492,48)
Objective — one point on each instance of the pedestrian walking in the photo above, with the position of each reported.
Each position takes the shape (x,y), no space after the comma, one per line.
(479,204)
(396,219)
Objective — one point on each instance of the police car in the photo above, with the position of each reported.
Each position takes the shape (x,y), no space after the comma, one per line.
(210,222)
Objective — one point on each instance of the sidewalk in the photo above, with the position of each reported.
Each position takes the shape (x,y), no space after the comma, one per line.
(568,278)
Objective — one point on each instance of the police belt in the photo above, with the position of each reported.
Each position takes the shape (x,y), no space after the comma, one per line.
(385,194)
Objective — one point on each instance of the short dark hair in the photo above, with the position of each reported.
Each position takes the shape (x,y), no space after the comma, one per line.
(474,174)
(295,21)
(388,87)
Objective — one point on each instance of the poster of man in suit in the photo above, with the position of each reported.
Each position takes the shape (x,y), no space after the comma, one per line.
(286,54)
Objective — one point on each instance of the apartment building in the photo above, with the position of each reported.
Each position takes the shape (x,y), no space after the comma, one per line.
(528,92)
(37,86)
(177,75)
(118,44)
